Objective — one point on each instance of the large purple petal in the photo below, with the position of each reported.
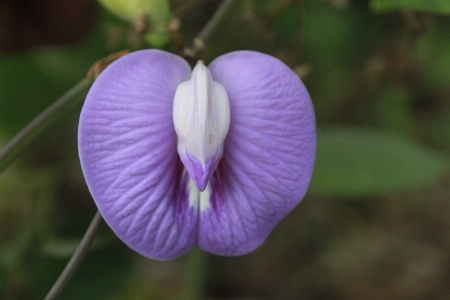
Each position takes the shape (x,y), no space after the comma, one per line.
(268,155)
(128,152)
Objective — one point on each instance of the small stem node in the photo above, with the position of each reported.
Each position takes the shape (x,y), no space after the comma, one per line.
(198,44)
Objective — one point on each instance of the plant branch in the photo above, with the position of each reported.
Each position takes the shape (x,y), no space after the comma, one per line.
(19,142)
(215,20)
(195,275)
(198,43)
(76,259)
(179,12)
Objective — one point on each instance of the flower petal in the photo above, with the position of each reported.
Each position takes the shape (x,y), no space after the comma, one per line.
(268,155)
(128,152)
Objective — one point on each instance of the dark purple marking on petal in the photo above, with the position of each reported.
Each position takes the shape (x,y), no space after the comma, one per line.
(268,155)
(127,146)
(198,174)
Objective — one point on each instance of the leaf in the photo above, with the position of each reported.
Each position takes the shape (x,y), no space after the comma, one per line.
(355,162)
(433,6)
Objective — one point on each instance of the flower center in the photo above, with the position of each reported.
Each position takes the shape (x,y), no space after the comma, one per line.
(201,116)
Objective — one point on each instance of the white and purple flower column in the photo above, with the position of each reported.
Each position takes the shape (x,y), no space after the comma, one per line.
(214,157)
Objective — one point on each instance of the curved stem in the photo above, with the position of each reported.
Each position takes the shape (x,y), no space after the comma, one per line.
(42,121)
(199,42)
(215,20)
(77,258)
(189,7)
(195,275)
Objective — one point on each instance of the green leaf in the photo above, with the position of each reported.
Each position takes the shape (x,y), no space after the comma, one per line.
(355,162)
(433,6)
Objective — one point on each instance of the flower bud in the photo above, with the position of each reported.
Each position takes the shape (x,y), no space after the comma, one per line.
(157,13)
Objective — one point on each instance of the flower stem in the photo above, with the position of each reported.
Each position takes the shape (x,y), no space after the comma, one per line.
(195,275)
(189,7)
(76,258)
(19,142)
(215,20)
(199,42)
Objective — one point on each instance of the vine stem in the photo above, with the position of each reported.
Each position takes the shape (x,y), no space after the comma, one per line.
(195,275)
(198,43)
(76,258)
(188,7)
(215,20)
(21,140)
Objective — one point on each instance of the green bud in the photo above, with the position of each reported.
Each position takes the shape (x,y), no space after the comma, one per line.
(156,39)
(157,11)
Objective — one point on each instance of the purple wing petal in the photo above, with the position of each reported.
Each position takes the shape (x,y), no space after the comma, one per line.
(268,156)
(127,146)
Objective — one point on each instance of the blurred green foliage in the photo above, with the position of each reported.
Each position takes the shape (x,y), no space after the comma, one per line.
(31,81)
(100,276)
(367,163)
(434,6)
(380,86)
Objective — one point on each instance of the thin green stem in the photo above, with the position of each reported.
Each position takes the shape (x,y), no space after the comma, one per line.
(195,275)
(19,142)
(189,7)
(76,259)
(215,20)
(199,42)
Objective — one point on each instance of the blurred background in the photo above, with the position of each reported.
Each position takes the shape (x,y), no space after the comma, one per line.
(375,223)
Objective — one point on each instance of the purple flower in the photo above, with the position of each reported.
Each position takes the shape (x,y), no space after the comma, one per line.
(214,158)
